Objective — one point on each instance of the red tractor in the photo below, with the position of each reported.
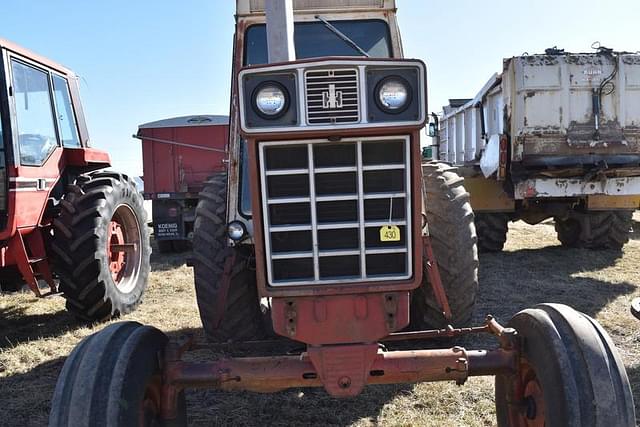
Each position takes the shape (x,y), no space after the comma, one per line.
(328,230)
(62,216)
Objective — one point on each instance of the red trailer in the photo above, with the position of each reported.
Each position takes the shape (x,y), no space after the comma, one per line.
(179,154)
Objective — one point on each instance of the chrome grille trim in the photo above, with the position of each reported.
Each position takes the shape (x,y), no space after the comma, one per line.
(332,96)
(360,225)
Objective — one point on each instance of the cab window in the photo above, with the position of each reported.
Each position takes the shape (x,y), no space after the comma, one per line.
(313,39)
(34,114)
(66,118)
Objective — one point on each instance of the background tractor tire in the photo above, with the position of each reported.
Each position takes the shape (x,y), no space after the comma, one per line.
(234,315)
(570,373)
(595,230)
(453,238)
(101,246)
(492,231)
(113,378)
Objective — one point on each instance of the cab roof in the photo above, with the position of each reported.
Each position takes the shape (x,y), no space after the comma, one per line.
(24,52)
(256,7)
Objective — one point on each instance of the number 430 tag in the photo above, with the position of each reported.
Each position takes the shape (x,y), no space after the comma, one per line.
(389,233)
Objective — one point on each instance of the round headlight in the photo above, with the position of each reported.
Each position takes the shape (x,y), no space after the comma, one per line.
(236,230)
(393,94)
(270,100)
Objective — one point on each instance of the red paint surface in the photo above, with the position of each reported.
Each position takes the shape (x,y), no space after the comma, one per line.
(170,168)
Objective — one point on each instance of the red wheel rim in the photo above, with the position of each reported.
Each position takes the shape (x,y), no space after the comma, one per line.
(149,409)
(528,409)
(124,256)
(117,256)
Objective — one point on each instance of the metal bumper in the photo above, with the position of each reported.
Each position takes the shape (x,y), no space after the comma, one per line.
(576,187)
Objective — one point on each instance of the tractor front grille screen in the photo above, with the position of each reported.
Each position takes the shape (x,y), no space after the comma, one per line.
(327,206)
(332,96)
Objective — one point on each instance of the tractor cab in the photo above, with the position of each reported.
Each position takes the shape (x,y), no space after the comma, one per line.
(41,117)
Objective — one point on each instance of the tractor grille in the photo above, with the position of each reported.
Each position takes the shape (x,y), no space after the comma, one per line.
(332,96)
(324,204)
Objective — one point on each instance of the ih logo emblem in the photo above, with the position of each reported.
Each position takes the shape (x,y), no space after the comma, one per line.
(332,98)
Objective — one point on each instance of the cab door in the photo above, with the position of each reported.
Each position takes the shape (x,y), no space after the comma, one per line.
(43,121)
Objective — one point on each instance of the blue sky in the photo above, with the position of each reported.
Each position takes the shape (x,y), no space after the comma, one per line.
(146,60)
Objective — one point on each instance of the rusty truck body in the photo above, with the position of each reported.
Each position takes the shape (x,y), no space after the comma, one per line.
(553,135)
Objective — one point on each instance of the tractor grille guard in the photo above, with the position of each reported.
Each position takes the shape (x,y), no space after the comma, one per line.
(324,204)
(332,96)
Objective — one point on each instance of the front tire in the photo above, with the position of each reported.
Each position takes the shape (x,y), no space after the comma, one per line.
(101,246)
(113,378)
(225,279)
(570,374)
(453,238)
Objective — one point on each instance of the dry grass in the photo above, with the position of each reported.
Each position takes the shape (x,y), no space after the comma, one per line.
(36,336)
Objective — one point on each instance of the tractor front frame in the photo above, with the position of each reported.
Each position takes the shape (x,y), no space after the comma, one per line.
(343,370)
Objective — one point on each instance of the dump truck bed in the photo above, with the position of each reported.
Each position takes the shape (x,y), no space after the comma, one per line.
(559,111)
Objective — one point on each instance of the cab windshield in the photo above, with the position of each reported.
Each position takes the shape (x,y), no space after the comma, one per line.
(314,39)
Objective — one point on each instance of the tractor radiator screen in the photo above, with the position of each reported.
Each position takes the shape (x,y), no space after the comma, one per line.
(336,212)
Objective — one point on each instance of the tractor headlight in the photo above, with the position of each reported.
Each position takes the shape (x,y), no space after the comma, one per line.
(236,231)
(270,100)
(393,94)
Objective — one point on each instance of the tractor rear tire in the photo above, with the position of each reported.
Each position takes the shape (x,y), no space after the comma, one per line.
(595,230)
(113,378)
(101,246)
(453,238)
(231,314)
(570,373)
(492,231)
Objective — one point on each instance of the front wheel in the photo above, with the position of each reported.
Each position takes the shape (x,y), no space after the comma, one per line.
(569,375)
(101,246)
(113,378)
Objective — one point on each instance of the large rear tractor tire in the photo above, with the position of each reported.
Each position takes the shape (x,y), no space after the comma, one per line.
(453,238)
(232,312)
(570,374)
(595,230)
(492,231)
(101,246)
(114,378)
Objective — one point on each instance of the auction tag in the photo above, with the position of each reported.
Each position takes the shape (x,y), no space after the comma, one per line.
(389,233)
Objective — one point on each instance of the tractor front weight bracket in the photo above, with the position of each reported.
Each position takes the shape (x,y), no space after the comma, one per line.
(343,370)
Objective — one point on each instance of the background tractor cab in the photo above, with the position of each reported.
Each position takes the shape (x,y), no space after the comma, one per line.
(58,215)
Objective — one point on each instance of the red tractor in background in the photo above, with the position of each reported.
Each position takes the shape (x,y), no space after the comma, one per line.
(179,155)
(63,218)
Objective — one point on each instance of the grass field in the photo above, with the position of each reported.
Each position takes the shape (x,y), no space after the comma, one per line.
(37,335)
